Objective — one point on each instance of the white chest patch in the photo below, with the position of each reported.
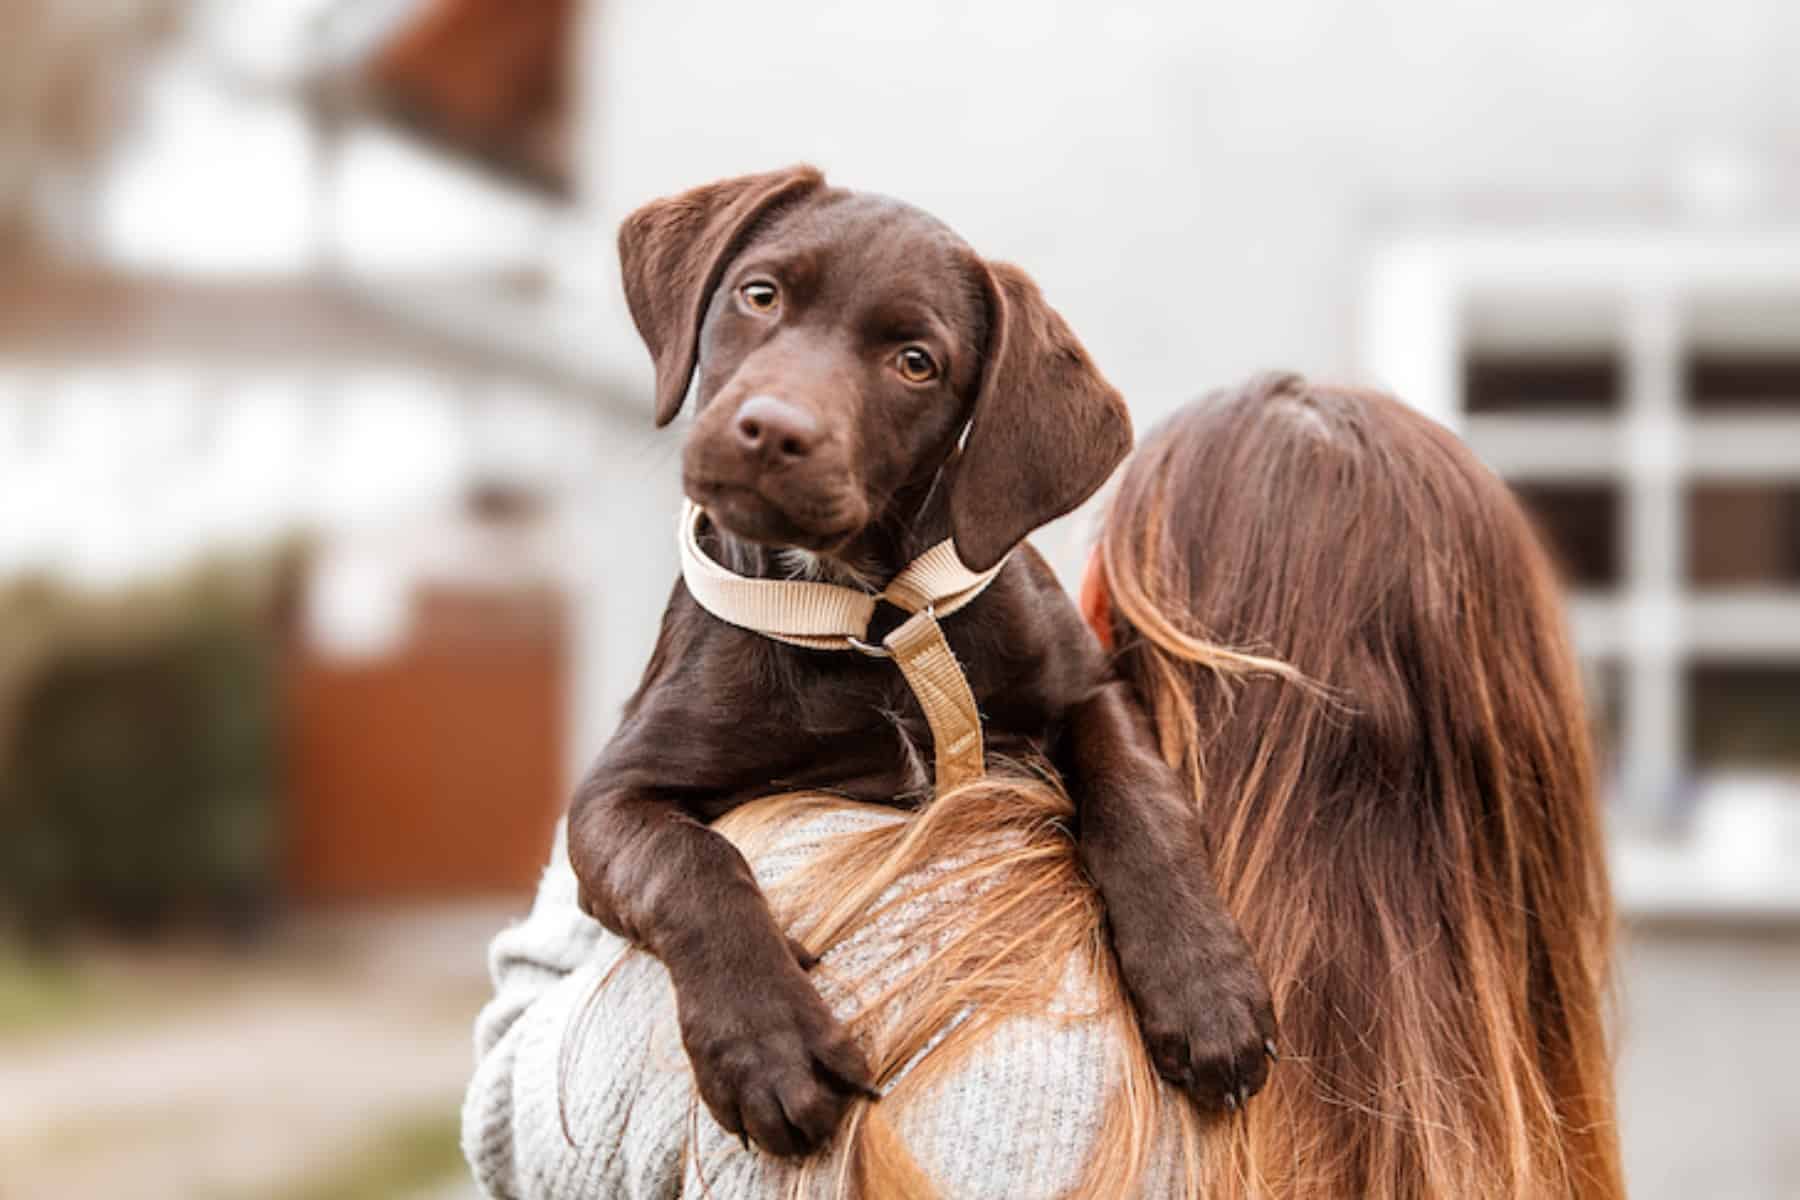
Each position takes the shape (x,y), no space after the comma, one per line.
(804,564)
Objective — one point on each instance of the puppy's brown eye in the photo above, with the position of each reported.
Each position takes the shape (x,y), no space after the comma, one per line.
(916,366)
(760,295)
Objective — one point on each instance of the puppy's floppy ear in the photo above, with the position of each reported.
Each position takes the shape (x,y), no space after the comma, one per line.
(672,253)
(1047,428)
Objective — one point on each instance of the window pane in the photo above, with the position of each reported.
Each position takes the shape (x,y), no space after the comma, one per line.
(1521,383)
(1744,535)
(1744,716)
(1744,381)
(1580,523)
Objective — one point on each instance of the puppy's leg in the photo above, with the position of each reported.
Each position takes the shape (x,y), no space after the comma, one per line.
(770,1060)
(1203,1006)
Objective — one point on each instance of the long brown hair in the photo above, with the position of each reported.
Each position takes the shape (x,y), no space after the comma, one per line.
(1413,845)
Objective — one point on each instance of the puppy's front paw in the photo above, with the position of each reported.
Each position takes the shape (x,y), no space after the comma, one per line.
(1206,1015)
(771,1062)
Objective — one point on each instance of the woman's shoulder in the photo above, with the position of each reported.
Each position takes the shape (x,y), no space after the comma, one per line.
(997,1100)
(595,1097)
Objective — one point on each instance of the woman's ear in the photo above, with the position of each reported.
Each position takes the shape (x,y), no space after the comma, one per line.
(1047,429)
(672,253)
(1096,600)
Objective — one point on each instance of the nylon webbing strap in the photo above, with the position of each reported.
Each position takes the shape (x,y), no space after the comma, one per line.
(936,678)
(822,616)
(829,616)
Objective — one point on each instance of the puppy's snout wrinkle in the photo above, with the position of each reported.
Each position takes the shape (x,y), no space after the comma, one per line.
(776,432)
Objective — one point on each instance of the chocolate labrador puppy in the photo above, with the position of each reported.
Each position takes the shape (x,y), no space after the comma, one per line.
(867,385)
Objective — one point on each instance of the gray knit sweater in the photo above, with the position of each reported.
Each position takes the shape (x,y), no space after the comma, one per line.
(579,1016)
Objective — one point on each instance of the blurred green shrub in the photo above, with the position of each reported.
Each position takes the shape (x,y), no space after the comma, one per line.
(137,757)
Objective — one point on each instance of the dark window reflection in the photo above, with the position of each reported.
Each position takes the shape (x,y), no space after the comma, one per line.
(1744,382)
(1743,715)
(1517,383)
(1581,524)
(1744,535)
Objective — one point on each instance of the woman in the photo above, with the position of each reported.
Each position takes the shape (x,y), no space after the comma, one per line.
(1394,770)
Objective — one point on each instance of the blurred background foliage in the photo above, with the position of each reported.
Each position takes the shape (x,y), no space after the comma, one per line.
(138,755)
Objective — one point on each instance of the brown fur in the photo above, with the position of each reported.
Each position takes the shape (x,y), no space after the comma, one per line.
(852,461)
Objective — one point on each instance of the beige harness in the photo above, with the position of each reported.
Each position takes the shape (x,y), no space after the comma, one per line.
(829,616)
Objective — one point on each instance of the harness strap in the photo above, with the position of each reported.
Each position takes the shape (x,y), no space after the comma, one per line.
(829,616)
(802,612)
(936,678)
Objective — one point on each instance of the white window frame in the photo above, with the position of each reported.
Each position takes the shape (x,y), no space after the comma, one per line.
(1419,292)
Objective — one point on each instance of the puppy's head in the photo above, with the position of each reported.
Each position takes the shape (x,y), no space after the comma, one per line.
(838,345)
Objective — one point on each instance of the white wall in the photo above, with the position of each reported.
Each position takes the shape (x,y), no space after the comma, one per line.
(1193,182)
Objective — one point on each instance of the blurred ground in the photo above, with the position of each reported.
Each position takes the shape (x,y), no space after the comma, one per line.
(198,1073)
(1707,1098)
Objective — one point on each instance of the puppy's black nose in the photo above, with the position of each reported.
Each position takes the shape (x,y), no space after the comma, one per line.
(776,431)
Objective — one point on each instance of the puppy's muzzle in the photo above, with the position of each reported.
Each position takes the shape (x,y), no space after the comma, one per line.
(773,434)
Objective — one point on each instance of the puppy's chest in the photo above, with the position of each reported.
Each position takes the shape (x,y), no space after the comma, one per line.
(871,731)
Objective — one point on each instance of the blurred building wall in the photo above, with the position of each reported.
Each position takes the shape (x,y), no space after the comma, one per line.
(1194,183)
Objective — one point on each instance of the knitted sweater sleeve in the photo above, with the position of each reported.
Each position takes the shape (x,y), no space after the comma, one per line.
(528,1131)
(581,1088)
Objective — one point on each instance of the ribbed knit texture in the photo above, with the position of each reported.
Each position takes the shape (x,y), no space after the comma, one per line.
(579,1017)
